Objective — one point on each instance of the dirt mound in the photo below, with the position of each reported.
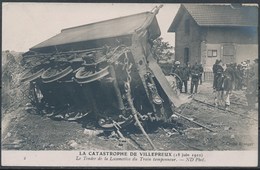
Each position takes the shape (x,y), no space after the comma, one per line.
(12,89)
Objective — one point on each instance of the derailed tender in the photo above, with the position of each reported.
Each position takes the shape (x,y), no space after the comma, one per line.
(105,71)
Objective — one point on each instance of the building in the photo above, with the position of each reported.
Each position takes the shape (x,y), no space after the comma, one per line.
(206,32)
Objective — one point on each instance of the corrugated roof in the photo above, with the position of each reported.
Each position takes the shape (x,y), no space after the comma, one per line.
(104,29)
(218,15)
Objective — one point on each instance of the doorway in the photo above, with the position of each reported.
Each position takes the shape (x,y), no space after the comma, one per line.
(186,55)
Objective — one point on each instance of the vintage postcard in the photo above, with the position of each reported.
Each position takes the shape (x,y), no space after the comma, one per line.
(129,85)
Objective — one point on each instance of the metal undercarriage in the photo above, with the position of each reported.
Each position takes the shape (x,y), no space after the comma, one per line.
(88,87)
(114,84)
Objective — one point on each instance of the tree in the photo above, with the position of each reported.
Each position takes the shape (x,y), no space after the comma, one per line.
(162,50)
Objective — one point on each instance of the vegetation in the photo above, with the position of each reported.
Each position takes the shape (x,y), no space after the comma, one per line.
(162,50)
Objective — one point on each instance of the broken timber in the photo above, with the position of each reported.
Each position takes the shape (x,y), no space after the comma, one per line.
(117,126)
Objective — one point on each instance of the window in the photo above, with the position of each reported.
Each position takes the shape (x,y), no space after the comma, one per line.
(212,53)
(187,26)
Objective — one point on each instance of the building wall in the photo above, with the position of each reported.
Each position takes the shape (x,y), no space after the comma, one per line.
(244,41)
(242,52)
(246,52)
(191,40)
(239,35)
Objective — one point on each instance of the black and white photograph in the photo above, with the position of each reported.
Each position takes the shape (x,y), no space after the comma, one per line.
(129,84)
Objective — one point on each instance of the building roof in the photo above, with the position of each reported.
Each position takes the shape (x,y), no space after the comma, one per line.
(99,30)
(218,15)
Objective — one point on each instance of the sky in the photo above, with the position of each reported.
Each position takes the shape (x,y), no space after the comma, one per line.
(27,24)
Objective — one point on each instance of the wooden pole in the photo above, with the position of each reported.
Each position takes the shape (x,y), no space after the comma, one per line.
(122,136)
(134,112)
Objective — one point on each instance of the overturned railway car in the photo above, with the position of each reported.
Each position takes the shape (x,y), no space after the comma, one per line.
(103,70)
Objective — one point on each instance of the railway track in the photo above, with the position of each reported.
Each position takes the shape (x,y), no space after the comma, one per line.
(223,109)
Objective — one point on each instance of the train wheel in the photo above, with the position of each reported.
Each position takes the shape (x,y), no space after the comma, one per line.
(56,72)
(32,74)
(86,76)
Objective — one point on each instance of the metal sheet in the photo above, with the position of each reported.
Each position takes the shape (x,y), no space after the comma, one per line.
(157,71)
(100,30)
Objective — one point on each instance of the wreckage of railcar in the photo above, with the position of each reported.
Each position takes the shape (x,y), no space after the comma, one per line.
(104,70)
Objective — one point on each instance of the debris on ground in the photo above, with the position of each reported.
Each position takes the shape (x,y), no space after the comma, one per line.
(73,143)
(22,131)
(91,132)
(227,128)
